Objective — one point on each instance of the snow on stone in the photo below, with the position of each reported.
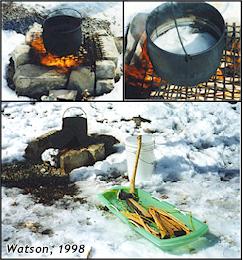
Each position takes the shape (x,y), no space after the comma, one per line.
(197,144)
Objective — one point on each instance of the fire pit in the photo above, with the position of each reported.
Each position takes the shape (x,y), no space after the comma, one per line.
(143,82)
(64,61)
(76,147)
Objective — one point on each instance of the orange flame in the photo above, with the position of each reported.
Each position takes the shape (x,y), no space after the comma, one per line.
(142,74)
(232,59)
(219,74)
(62,63)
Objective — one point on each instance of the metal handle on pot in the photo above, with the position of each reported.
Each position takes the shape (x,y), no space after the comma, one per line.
(187,56)
(58,10)
(75,108)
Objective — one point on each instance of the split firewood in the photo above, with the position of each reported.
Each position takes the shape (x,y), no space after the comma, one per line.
(139,208)
(143,224)
(172,223)
(170,228)
(134,217)
(135,223)
(153,231)
(139,221)
(163,224)
(173,220)
(158,222)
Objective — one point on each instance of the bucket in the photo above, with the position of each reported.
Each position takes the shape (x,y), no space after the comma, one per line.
(146,159)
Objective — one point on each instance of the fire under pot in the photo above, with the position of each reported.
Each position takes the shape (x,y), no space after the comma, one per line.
(142,80)
(65,59)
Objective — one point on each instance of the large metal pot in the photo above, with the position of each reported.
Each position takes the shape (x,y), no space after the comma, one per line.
(62,32)
(185,69)
(75,119)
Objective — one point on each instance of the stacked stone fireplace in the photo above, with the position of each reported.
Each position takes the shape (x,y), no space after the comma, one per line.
(92,72)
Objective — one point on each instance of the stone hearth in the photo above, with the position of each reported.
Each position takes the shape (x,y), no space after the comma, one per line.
(73,151)
(29,78)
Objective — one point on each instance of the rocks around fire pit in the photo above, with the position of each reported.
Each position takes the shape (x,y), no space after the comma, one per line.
(109,50)
(105,69)
(104,86)
(76,158)
(63,140)
(21,55)
(73,152)
(82,79)
(37,81)
(34,81)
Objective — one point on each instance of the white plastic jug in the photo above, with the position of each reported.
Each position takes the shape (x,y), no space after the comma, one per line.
(146,158)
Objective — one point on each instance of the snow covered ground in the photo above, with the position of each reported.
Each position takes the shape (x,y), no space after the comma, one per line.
(110,11)
(197,147)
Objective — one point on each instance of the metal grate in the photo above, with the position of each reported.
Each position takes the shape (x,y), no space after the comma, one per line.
(224,85)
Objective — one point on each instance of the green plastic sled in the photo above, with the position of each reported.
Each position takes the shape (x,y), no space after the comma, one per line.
(109,199)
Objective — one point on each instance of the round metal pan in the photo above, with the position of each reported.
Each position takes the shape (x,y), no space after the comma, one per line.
(183,69)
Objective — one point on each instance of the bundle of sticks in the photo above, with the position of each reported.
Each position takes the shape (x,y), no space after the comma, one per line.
(156,221)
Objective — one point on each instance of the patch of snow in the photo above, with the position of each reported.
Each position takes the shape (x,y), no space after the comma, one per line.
(49,156)
(196,145)
(231,11)
(10,40)
(132,8)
